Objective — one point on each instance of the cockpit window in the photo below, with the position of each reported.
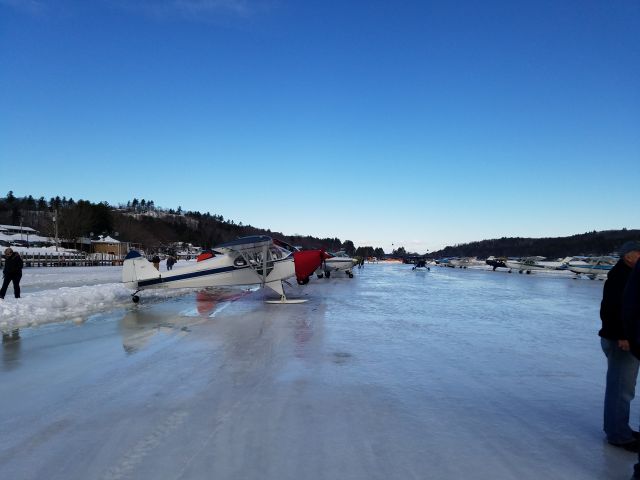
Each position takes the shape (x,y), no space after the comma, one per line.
(276,253)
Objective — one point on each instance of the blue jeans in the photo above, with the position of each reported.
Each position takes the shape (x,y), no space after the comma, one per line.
(622,372)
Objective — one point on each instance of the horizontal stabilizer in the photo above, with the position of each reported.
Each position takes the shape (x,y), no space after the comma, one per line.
(136,268)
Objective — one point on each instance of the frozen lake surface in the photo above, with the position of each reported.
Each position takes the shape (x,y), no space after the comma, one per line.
(394,374)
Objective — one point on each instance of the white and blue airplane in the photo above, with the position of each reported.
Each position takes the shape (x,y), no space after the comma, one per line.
(244,261)
(338,261)
(591,266)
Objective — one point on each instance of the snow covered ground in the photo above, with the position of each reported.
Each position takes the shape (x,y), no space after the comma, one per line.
(55,294)
(394,374)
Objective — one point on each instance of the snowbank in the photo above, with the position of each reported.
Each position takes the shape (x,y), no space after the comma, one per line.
(52,294)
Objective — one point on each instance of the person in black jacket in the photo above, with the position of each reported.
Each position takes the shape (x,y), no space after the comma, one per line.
(12,272)
(631,321)
(622,365)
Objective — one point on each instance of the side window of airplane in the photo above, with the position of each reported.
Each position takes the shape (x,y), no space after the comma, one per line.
(239,261)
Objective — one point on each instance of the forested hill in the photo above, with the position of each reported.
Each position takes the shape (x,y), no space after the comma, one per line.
(590,243)
(140,222)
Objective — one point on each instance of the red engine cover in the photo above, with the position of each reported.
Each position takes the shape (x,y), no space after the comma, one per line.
(204,256)
(307,262)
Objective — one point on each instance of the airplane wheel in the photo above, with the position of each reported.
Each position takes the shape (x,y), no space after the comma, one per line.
(519,271)
(528,272)
(304,281)
(351,275)
(135,299)
(320,275)
(327,274)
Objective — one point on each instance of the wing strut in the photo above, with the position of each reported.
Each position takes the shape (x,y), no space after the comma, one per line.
(265,251)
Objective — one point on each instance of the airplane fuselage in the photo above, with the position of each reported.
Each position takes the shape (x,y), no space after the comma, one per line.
(219,270)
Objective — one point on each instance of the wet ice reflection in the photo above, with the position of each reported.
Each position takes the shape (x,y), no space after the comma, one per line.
(392,374)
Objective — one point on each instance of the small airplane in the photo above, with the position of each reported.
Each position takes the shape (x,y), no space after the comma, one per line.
(245,261)
(421,265)
(496,262)
(334,262)
(464,262)
(590,266)
(445,262)
(529,264)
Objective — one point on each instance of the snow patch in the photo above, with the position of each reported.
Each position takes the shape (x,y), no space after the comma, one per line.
(74,303)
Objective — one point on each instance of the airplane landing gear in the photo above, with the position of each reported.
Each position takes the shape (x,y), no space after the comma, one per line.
(350,274)
(134,296)
(327,274)
(304,281)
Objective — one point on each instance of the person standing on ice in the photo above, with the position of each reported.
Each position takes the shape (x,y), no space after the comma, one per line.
(631,322)
(622,365)
(12,272)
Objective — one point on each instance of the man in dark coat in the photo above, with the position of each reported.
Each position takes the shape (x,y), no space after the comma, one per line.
(12,272)
(631,321)
(622,365)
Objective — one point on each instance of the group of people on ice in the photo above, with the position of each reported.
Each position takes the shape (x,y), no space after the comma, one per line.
(171,261)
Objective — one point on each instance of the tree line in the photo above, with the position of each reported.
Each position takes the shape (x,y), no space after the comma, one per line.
(590,243)
(142,222)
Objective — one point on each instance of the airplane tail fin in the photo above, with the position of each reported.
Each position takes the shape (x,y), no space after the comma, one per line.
(135,268)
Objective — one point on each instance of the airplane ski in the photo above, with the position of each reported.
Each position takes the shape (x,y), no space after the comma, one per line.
(279,288)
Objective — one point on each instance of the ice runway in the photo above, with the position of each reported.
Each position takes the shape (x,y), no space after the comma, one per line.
(447,374)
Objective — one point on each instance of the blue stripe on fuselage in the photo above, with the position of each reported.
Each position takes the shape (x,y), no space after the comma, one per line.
(202,273)
(184,276)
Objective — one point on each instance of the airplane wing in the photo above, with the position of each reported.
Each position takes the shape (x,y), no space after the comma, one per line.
(245,244)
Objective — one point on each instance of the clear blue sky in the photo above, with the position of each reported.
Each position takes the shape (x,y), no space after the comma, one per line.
(419,124)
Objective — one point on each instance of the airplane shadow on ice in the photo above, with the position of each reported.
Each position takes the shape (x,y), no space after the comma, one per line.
(10,354)
(139,327)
